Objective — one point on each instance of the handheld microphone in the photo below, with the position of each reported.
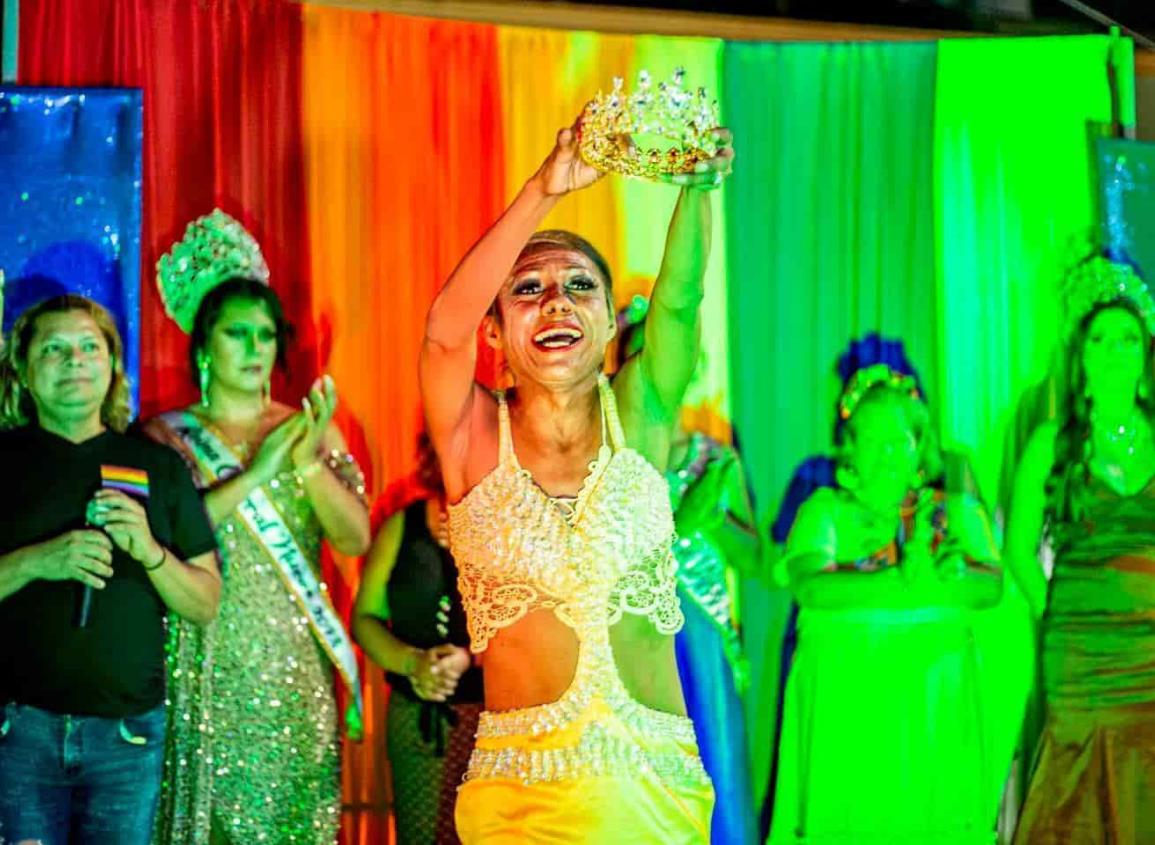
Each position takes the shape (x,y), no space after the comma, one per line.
(128,480)
(84,600)
(83,606)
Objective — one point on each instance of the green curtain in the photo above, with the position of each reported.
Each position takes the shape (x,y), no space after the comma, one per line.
(930,192)
(1014,205)
(830,232)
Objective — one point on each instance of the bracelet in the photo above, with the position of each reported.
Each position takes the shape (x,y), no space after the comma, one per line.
(308,470)
(158,564)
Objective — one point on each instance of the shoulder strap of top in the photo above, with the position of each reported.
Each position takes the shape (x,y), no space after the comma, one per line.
(505,453)
(610,413)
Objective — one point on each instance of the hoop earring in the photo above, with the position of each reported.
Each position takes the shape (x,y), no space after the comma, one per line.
(203,371)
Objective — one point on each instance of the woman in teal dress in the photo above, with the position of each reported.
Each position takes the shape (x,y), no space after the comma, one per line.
(1087,481)
(882,737)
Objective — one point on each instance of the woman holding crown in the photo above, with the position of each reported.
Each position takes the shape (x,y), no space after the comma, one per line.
(560,520)
(254,695)
(882,728)
(1087,481)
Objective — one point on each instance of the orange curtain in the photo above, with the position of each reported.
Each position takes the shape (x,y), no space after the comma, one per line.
(403,163)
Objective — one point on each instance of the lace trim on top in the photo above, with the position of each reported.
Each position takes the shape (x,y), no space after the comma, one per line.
(609,554)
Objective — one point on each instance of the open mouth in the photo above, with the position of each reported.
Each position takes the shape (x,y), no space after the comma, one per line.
(558,337)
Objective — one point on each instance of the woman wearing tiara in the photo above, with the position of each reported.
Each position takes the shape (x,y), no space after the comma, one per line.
(253,751)
(561,527)
(882,728)
(1087,481)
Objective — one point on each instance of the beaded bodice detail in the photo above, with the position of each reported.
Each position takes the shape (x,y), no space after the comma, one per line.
(599,556)
(590,560)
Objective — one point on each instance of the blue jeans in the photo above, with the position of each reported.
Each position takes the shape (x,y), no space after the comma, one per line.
(79,780)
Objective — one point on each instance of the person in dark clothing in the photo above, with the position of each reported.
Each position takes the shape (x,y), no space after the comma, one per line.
(409,620)
(104,534)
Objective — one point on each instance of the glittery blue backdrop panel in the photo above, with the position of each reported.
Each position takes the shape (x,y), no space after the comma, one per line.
(70,202)
(1127,200)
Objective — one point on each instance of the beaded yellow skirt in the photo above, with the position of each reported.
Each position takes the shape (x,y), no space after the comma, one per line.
(585,770)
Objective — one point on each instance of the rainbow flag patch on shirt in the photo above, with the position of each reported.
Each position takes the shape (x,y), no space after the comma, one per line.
(126,479)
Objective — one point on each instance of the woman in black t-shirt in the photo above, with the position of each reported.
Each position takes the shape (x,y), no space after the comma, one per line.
(409,620)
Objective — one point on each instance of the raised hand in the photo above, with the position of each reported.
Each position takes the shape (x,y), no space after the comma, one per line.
(917,557)
(125,521)
(564,170)
(317,412)
(711,173)
(276,447)
(84,556)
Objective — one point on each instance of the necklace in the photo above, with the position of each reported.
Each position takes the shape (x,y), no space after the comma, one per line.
(242,445)
(1121,436)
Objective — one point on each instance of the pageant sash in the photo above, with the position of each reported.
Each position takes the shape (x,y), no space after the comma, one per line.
(218,463)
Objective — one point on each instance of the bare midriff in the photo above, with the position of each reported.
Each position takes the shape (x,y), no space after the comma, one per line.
(533,662)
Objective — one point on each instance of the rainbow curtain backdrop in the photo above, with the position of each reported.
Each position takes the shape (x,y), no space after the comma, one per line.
(905,188)
(931,191)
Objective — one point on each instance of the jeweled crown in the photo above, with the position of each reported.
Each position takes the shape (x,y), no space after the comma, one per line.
(1098,280)
(214,249)
(610,122)
(868,377)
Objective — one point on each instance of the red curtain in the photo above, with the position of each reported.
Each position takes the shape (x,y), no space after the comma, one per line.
(222,128)
(222,118)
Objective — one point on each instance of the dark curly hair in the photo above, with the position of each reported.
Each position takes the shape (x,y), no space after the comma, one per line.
(214,302)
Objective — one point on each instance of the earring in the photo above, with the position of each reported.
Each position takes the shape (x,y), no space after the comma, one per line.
(203,370)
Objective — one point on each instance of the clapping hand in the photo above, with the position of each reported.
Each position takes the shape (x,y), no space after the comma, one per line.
(917,555)
(317,411)
(276,446)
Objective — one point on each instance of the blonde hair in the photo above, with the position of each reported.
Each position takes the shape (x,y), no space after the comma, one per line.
(17,406)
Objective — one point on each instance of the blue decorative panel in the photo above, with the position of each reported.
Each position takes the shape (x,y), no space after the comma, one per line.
(70,202)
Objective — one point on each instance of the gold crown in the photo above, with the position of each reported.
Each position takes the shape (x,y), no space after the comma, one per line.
(609,123)
(1098,280)
(214,249)
(867,377)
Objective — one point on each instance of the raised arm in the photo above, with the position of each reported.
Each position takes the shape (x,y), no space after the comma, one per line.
(449,351)
(1027,517)
(673,326)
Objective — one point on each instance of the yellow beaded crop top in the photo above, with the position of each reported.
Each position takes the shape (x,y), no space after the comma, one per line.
(605,553)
